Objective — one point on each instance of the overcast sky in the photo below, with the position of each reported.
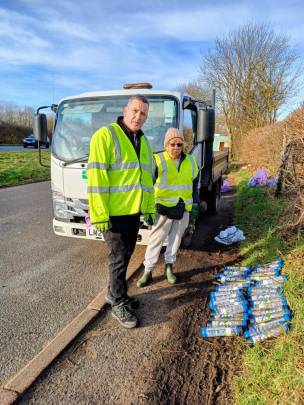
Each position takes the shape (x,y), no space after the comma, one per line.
(52,49)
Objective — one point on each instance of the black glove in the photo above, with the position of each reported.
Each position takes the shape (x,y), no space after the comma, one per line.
(194,213)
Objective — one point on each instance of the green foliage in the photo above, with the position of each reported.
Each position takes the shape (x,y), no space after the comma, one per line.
(272,372)
(23,167)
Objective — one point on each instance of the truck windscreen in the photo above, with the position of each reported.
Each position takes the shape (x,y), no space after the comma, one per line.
(78,120)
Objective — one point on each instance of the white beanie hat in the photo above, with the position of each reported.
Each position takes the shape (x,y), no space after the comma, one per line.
(171,134)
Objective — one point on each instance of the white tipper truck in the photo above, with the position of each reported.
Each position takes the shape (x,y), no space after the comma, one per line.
(79,116)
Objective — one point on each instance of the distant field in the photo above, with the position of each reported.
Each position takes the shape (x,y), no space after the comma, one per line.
(21,168)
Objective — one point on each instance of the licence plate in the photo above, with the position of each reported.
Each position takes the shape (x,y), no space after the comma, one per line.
(96,233)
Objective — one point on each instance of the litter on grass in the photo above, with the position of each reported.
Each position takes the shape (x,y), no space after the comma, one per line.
(226,187)
(260,179)
(249,302)
(230,235)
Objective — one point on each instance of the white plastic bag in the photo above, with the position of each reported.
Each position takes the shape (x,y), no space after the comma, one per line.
(230,235)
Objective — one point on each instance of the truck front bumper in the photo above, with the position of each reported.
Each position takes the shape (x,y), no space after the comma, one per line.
(75,230)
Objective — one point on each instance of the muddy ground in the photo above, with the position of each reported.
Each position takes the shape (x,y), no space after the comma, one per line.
(164,361)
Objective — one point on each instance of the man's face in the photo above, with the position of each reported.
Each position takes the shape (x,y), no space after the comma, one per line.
(135,115)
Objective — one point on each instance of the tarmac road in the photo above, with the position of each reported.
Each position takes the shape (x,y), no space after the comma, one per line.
(16,148)
(10,148)
(45,280)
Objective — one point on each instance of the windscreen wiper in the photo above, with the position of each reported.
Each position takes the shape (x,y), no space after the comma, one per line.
(81,159)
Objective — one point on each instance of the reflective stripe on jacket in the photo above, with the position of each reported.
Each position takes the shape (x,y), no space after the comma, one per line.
(173,184)
(118,182)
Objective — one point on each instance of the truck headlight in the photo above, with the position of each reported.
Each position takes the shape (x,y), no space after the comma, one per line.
(60,207)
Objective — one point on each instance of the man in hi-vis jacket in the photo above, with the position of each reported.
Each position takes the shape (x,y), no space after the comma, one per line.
(120,188)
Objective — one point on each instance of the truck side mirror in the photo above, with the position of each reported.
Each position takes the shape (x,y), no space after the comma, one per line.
(206,125)
(54,108)
(40,127)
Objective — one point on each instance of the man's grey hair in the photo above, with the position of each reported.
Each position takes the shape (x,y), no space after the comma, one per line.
(139,97)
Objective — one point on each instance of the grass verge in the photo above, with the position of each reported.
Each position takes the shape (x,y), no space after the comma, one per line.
(272,372)
(23,167)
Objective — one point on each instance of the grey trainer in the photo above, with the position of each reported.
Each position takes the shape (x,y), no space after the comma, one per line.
(124,315)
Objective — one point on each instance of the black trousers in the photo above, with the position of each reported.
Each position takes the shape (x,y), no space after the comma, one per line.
(121,241)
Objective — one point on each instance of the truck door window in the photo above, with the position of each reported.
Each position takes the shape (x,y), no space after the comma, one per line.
(189,127)
(162,115)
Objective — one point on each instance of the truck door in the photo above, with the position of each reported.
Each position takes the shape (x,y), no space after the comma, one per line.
(190,126)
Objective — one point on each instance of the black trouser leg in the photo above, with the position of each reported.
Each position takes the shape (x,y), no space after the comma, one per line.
(121,240)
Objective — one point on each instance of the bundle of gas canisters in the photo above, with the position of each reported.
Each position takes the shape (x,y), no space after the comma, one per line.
(249,302)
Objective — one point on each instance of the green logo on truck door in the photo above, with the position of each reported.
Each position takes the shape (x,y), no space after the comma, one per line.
(84,174)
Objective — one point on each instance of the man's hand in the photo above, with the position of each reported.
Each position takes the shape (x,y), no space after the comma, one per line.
(102,226)
(149,219)
(194,213)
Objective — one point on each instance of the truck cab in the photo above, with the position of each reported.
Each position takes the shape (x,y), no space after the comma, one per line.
(79,116)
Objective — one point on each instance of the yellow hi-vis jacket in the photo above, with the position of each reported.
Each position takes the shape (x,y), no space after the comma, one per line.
(118,182)
(171,184)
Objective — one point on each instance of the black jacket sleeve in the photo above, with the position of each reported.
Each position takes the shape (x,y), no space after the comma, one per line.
(195,190)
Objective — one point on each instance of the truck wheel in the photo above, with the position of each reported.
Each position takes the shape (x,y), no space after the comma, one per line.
(213,198)
(187,237)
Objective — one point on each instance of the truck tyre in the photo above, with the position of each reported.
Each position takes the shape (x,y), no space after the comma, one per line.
(186,241)
(187,237)
(213,198)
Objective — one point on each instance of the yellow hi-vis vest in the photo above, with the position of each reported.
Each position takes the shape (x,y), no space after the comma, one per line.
(171,184)
(118,182)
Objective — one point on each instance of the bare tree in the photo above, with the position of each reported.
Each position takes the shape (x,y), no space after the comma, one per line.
(195,90)
(254,72)
(16,116)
